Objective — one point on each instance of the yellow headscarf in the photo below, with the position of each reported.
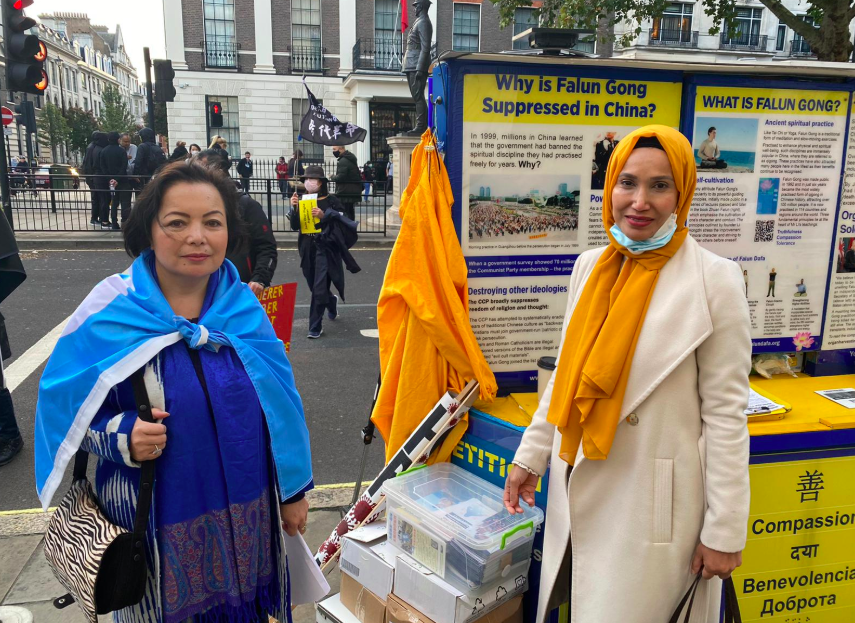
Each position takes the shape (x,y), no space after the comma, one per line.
(596,358)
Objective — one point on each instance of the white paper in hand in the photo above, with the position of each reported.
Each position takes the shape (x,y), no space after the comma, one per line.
(308,584)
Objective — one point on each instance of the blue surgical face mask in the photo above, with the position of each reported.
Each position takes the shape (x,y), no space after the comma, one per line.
(656,241)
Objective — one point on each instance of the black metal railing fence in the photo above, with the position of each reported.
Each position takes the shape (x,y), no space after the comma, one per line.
(64,203)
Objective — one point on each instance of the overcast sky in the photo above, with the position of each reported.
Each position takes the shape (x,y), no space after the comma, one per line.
(141,22)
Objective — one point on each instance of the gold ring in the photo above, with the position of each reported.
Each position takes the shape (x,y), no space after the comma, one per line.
(157,451)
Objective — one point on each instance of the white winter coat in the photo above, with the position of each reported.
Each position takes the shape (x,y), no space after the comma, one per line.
(677,472)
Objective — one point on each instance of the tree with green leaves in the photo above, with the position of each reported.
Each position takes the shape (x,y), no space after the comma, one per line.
(826,31)
(53,128)
(82,124)
(115,115)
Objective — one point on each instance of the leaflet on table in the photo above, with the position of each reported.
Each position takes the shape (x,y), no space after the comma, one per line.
(768,180)
(839,330)
(535,150)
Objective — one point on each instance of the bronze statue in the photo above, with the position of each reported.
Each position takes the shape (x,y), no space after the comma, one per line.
(417,62)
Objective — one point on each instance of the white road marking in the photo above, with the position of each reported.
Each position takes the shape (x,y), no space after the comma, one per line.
(34,357)
(375,333)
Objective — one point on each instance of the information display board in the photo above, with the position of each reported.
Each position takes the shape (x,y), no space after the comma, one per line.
(839,331)
(527,145)
(534,154)
(799,563)
(769,161)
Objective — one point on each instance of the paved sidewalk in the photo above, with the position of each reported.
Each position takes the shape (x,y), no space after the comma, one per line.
(28,588)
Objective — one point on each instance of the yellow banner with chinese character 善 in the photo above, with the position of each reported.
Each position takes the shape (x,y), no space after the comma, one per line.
(799,564)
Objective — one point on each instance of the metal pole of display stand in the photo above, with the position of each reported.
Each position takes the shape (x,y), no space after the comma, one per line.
(367,438)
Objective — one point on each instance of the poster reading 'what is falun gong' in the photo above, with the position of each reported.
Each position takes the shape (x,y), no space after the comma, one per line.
(769,161)
(534,154)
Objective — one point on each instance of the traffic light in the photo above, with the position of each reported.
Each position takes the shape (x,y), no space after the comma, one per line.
(25,53)
(216,114)
(26,112)
(164,90)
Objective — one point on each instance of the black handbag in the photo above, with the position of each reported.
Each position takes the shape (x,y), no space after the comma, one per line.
(102,566)
(731,607)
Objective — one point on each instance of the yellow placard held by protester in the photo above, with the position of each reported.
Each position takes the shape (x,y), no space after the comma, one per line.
(309,223)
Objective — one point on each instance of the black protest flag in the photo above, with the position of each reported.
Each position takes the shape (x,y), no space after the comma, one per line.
(319,125)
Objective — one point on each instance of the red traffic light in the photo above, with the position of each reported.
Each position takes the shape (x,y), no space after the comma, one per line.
(216,109)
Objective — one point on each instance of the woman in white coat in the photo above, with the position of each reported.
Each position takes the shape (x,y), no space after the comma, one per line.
(643,420)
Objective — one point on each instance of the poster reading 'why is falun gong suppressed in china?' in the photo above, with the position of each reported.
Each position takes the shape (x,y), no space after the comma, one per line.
(769,163)
(534,155)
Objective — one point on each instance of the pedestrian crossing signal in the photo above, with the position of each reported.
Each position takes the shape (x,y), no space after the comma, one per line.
(216,115)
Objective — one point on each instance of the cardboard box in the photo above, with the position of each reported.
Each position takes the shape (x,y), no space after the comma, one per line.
(398,611)
(331,610)
(371,564)
(362,603)
(443,603)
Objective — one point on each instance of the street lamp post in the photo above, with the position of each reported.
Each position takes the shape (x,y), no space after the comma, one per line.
(60,67)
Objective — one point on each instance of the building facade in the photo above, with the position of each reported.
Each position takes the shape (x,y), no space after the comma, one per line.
(252,55)
(102,61)
(682,33)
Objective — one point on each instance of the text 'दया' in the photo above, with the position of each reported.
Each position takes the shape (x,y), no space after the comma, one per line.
(627,102)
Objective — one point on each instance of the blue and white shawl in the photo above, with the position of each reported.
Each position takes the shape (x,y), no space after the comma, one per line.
(123,323)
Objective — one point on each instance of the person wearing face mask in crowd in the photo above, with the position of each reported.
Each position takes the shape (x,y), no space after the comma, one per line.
(348,180)
(323,256)
(645,426)
(194,150)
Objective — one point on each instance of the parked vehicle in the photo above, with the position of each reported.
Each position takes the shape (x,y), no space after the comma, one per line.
(56,176)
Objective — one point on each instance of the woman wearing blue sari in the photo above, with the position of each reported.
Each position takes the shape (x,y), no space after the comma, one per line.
(229,438)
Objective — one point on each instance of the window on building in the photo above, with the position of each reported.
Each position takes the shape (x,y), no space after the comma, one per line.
(800,46)
(464,30)
(523,20)
(231,122)
(745,29)
(85,103)
(675,25)
(220,43)
(312,152)
(781,38)
(388,44)
(306,35)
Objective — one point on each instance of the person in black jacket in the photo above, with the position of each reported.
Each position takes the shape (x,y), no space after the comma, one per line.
(114,165)
(244,169)
(348,180)
(12,275)
(256,260)
(180,151)
(98,185)
(322,255)
(150,156)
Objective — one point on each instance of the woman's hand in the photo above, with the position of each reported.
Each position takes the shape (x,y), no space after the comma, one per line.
(714,563)
(317,213)
(294,516)
(148,439)
(295,201)
(519,483)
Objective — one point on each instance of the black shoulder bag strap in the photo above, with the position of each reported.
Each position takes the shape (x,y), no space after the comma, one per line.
(731,607)
(81,460)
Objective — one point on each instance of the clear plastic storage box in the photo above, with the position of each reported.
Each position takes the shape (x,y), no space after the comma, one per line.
(456,525)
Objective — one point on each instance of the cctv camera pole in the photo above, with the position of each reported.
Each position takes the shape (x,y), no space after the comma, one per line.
(148,89)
